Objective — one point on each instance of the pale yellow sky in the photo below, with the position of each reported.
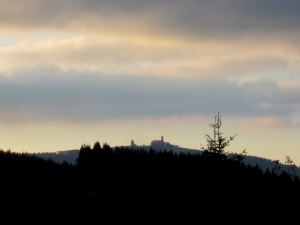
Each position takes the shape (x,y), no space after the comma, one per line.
(267,141)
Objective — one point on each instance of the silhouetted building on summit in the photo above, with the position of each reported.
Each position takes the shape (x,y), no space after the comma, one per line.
(133,145)
(162,145)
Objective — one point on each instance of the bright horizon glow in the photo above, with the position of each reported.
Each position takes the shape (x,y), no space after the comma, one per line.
(47,138)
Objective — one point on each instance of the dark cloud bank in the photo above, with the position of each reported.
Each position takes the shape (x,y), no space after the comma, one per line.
(189,17)
(58,96)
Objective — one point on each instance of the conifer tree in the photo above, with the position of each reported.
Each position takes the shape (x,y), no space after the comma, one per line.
(216,144)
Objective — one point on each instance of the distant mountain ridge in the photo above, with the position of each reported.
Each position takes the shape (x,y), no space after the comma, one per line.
(70,156)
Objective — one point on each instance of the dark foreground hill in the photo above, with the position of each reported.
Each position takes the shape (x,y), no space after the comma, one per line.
(121,177)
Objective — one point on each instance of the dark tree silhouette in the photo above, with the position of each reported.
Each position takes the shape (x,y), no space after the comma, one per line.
(291,166)
(97,147)
(289,162)
(216,144)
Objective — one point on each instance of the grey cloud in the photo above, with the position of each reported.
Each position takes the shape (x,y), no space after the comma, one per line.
(189,17)
(55,95)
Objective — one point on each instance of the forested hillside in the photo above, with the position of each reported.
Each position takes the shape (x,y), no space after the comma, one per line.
(103,174)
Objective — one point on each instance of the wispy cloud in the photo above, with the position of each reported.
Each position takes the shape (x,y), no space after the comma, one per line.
(264,123)
(148,56)
(159,37)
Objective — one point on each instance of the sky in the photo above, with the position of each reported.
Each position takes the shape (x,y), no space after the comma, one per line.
(73,72)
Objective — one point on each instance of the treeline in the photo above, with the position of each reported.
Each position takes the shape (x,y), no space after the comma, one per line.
(26,178)
(209,166)
(105,175)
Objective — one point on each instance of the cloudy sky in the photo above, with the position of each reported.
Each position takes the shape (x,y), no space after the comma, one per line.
(77,71)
